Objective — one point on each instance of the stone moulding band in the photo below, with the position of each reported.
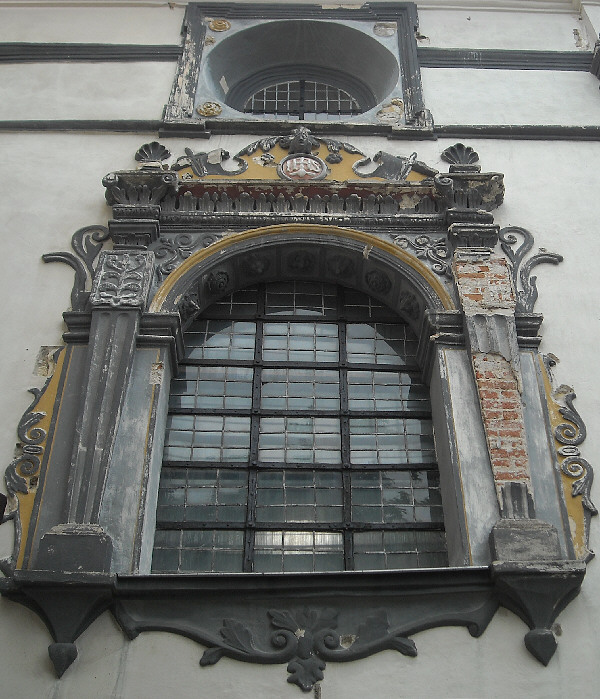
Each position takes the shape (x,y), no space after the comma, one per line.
(429,57)
(204,129)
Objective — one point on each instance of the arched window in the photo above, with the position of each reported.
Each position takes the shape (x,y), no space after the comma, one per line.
(303,99)
(299,438)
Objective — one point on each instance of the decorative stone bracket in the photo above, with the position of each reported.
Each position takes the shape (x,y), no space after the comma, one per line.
(303,621)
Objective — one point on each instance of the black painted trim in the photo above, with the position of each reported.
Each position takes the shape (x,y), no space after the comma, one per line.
(503,59)
(112,125)
(508,131)
(429,57)
(23,52)
(539,132)
(595,66)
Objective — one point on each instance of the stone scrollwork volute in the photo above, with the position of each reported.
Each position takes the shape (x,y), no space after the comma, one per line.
(524,283)
(435,251)
(569,436)
(22,474)
(87,243)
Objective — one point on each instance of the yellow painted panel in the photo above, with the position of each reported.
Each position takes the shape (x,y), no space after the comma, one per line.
(43,408)
(574,503)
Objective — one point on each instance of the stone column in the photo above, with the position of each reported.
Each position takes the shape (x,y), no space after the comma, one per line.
(119,294)
(488,301)
(530,575)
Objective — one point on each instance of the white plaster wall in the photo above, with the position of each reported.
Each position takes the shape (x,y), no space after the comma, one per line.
(475,96)
(590,15)
(159,22)
(148,23)
(140,90)
(82,90)
(476,29)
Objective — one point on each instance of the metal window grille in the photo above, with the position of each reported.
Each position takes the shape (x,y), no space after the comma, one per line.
(304,99)
(299,439)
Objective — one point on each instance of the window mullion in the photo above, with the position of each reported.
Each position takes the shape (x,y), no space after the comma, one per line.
(254,437)
(345,435)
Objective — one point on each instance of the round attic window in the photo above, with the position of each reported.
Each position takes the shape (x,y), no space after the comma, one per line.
(328,68)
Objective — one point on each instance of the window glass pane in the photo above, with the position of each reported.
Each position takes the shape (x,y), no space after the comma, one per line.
(301,298)
(300,389)
(305,99)
(220,339)
(206,495)
(391,441)
(386,390)
(300,439)
(381,343)
(302,496)
(298,551)
(300,342)
(402,549)
(207,438)
(199,551)
(240,303)
(390,497)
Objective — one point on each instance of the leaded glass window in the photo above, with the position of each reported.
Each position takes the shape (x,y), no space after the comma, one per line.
(299,439)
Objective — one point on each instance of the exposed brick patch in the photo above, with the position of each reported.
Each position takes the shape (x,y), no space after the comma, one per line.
(502,414)
(484,285)
(486,290)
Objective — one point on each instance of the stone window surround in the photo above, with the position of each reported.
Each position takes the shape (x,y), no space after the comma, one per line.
(91,551)
(198,104)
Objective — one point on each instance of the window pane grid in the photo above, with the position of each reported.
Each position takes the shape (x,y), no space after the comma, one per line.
(299,496)
(207,438)
(302,98)
(262,400)
(190,551)
(392,496)
(202,495)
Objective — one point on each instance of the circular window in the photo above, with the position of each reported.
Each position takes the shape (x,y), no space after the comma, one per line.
(302,68)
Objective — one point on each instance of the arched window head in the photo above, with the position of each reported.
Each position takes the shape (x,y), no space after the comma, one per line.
(299,439)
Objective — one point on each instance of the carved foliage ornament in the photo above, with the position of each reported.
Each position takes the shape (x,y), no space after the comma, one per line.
(301,141)
(122,279)
(433,250)
(306,639)
(170,252)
